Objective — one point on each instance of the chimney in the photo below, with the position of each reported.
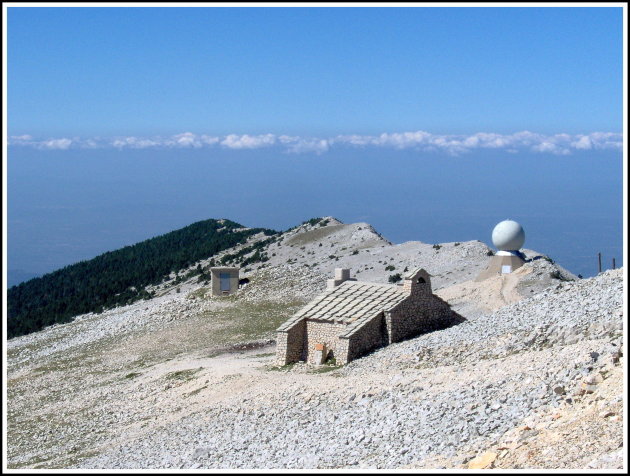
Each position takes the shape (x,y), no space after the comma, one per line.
(341,275)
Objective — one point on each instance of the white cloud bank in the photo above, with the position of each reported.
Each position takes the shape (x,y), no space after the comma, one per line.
(559,144)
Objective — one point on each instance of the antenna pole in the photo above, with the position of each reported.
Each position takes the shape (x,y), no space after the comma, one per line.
(599,260)
(613,263)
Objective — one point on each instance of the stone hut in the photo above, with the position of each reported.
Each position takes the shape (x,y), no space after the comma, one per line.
(224,280)
(354,317)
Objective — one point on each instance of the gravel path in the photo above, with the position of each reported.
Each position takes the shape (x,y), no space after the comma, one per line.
(151,386)
(383,411)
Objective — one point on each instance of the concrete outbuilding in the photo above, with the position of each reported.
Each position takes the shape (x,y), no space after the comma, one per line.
(224,280)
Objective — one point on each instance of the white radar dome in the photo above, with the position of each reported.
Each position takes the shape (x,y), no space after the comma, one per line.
(508,236)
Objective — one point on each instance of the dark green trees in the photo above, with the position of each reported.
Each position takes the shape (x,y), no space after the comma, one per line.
(116,277)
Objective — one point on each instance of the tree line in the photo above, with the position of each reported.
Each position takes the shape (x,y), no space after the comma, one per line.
(119,277)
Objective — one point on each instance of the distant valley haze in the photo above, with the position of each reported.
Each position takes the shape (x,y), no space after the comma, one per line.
(70,205)
(147,144)
(431,124)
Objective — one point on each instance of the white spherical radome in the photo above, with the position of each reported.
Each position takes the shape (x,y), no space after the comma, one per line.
(508,236)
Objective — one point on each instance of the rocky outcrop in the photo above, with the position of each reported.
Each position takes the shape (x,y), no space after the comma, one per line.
(186,380)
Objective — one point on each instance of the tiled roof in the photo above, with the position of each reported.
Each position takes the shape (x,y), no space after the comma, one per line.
(350,302)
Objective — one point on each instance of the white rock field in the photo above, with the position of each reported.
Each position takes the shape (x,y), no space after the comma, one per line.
(533,378)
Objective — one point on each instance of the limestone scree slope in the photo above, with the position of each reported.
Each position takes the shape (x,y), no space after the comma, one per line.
(533,378)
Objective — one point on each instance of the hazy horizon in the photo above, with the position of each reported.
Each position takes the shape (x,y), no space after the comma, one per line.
(429,123)
(65,206)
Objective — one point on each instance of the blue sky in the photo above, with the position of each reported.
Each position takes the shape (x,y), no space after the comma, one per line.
(313,71)
(432,124)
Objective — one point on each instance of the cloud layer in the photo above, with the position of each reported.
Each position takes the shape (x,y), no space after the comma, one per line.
(451,144)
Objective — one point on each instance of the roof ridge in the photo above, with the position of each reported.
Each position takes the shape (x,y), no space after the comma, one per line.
(355,300)
(371,284)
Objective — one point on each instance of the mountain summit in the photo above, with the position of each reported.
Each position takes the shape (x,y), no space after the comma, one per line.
(184,379)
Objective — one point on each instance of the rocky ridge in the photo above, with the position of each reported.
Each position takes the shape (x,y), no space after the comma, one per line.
(442,405)
(185,380)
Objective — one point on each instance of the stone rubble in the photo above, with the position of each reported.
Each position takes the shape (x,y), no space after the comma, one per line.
(451,408)
(500,390)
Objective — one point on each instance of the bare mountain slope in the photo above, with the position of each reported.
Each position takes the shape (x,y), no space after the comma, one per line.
(186,380)
(536,275)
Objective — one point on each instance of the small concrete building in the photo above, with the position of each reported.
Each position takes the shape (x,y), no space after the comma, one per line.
(224,281)
(500,264)
(354,317)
